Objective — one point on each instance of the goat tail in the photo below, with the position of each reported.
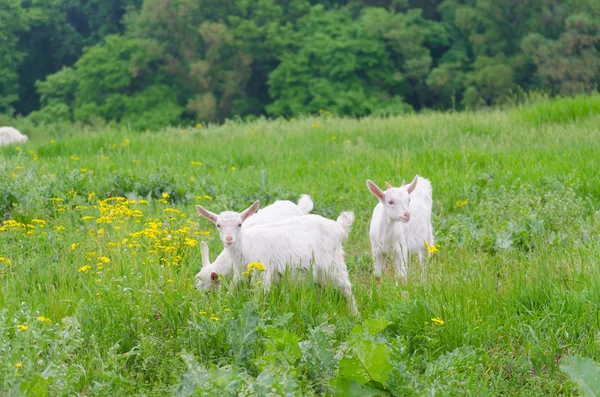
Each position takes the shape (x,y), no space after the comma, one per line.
(305,204)
(346,219)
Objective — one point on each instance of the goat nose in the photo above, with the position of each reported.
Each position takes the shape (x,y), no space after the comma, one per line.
(407,214)
(229,238)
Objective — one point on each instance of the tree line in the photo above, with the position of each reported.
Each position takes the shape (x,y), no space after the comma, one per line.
(151,63)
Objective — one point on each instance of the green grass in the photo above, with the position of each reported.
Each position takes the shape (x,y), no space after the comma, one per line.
(515,280)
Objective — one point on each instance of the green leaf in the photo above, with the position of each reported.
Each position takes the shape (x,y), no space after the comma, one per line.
(376,325)
(352,368)
(585,372)
(376,358)
(370,361)
(37,387)
(351,388)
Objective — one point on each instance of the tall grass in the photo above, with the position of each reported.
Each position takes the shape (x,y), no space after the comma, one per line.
(515,281)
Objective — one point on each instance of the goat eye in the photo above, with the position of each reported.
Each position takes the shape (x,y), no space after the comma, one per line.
(218,226)
(391,202)
(240,225)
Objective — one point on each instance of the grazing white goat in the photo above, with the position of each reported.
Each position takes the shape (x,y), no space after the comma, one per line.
(10,135)
(208,277)
(401,224)
(301,243)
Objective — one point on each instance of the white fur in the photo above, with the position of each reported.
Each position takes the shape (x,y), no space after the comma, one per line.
(10,135)
(299,243)
(280,209)
(401,224)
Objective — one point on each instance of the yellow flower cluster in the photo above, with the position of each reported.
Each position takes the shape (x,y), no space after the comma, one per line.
(461,203)
(254,266)
(437,321)
(44,319)
(432,248)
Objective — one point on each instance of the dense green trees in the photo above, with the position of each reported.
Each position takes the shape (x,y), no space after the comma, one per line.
(157,62)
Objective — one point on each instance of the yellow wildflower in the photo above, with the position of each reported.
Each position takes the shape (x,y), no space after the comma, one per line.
(74,158)
(333,137)
(431,248)
(19,167)
(104,259)
(57,199)
(461,203)
(44,319)
(74,246)
(169,281)
(14,175)
(22,327)
(18,365)
(166,195)
(86,218)
(52,141)
(437,321)
(84,268)
(214,318)
(18,149)
(208,197)
(227,310)
(6,260)
(233,168)
(171,210)
(315,125)
(190,242)
(196,162)
(256,265)
(198,126)
(99,280)
(202,313)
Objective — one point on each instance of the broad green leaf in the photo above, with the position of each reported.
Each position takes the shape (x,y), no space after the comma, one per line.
(370,361)
(376,325)
(37,387)
(350,388)
(352,368)
(585,372)
(375,356)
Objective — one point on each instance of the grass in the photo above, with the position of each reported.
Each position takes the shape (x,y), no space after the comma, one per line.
(515,281)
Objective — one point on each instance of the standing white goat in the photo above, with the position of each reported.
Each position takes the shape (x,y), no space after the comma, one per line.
(208,277)
(301,243)
(10,135)
(401,224)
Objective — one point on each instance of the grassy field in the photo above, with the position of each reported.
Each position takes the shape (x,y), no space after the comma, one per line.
(97,291)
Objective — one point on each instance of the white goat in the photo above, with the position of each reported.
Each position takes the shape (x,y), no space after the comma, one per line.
(10,135)
(301,243)
(208,277)
(401,224)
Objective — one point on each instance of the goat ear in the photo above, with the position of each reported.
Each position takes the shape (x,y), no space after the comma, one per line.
(206,214)
(413,184)
(388,185)
(204,251)
(250,210)
(375,190)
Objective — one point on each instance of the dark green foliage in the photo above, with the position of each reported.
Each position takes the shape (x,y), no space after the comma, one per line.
(151,63)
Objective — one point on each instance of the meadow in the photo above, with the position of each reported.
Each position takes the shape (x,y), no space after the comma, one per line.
(101,242)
